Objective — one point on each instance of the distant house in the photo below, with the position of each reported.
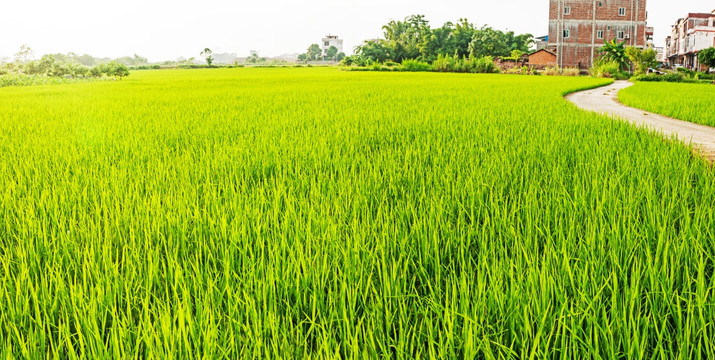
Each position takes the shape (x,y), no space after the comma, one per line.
(578,28)
(331,40)
(542,58)
(688,36)
(541,42)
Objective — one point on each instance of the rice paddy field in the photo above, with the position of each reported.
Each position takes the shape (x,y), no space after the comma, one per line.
(689,102)
(314,213)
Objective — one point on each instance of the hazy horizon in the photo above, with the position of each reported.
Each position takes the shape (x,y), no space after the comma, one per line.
(166,30)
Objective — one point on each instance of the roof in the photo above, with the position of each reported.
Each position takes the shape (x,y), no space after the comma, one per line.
(700,15)
(542,50)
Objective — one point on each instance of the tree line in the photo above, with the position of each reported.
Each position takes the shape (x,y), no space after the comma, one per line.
(314,53)
(66,65)
(414,39)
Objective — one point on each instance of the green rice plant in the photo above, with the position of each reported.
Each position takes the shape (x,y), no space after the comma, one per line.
(317,213)
(689,102)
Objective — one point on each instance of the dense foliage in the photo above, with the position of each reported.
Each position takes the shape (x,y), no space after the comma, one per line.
(641,59)
(484,64)
(51,66)
(15,79)
(609,69)
(697,107)
(613,52)
(414,39)
(314,213)
(26,54)
(707,57)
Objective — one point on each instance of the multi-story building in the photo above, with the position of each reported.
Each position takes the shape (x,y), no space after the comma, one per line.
(578,28)
(331,40)
(688,36)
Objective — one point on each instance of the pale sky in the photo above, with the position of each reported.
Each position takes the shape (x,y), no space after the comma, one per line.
(165,30)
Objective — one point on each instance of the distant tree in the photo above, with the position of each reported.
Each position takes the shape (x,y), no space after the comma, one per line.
(340,56)
(461,37)
(303,57)
(523,42)
(314,52)
(25,54)
(707,58)
(404,38)
(208,55)
(437,42)
(489,42)
(516,54)
(641,59)
(331,53)
(116,69)
(375,50)
(86,60)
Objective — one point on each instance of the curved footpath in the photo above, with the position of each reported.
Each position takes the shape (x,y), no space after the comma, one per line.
(604,100)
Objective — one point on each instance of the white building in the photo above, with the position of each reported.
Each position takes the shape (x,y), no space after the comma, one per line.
(660,55)
(688,36)
(331,40)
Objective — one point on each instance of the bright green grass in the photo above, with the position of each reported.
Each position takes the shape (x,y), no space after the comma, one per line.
(295,213)
(689,102)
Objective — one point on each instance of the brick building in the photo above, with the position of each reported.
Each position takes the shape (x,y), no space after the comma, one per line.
(577,28)
(542,58)
(688,36)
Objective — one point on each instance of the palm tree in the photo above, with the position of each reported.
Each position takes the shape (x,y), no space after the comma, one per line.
(613,51)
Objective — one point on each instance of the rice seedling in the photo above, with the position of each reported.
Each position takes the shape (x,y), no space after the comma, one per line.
(314,213)
(689,102)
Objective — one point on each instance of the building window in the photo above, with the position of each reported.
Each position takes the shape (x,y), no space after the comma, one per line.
(622,11)
(567,33)
(327,43)
(599,34)
(609,28)
(567,10)
(600,3)
(621,35)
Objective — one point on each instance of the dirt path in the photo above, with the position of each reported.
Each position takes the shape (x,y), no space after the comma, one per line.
(604,100)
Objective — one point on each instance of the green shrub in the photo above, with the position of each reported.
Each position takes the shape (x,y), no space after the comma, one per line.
(415,65)
(484,65)
(16,79)
(686,72)
(704,76)
(444,63)
(674,77)
(609,69)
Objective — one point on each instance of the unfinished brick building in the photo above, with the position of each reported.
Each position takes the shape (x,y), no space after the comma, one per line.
(577,28)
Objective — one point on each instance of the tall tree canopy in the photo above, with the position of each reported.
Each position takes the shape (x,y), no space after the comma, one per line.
(314,52)
(413,38)
(707,57)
